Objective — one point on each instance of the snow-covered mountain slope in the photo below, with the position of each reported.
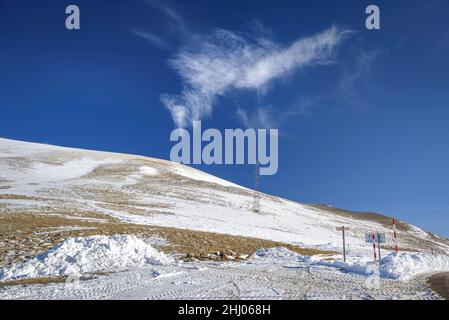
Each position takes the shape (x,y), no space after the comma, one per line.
(37,179)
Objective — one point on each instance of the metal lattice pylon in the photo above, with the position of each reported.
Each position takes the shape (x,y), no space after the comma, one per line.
(256,195)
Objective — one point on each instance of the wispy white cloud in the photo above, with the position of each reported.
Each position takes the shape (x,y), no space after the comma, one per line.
(226,61)
(167,10)
(152,38)
(351,91)
(353,82)
(172,22)
(263,117)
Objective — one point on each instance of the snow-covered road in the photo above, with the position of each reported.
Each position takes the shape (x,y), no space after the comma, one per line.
(276,275)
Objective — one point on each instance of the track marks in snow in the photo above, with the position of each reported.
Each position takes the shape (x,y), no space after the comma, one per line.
(201,280)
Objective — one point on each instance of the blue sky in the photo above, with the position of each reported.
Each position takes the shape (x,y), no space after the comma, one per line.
(363,124)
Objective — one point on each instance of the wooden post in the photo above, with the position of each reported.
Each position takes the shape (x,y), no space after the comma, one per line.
(343,229)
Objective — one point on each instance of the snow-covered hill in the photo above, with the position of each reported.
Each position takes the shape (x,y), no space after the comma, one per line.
(38,179)
(106,216)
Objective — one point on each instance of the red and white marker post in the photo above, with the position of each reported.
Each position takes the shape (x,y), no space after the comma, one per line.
(395,236)
(374,246)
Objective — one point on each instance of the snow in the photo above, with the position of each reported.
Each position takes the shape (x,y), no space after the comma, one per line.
(42,172)
(88,255)
(199,207)
(201,176)
(406,265)
(59,175)
(401,266)
(275,255)
(69,170)
(274,273)
(231,214)
(13,148)
(398,266)
(148,171)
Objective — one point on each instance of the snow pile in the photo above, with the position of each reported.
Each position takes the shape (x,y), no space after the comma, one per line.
(87,255)
(406,265)
(277,255)
(399,266)
(354,266)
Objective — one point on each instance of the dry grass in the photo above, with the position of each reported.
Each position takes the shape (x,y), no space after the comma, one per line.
(201,243)
(48,280)
(365,216)
(392,248)
(25,235)
(30,281)
(18,197)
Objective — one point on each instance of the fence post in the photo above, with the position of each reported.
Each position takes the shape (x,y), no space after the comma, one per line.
(395,236)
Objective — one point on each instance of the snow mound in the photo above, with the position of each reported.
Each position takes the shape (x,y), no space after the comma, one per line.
(399,266)
(277,255)
(406,265)
(88,255)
